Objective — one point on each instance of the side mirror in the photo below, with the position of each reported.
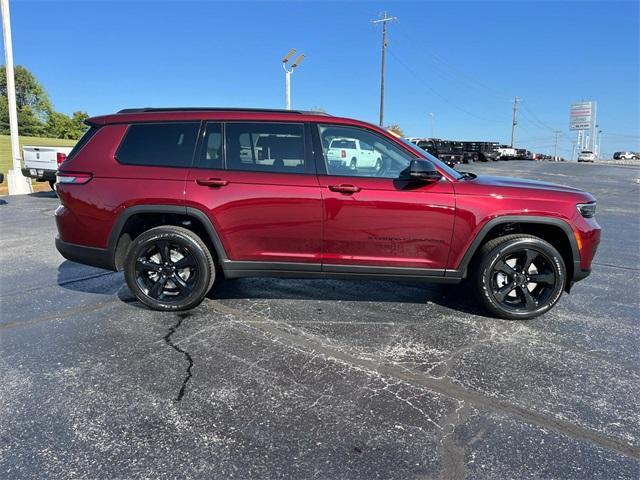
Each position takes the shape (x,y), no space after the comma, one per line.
(423,171)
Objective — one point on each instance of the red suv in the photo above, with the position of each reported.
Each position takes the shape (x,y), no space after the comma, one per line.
(178,197)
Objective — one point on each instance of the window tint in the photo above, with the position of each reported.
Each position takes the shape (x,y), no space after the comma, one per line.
(82,142)
(377,156)
(265,147)
(159,144)
(211,154)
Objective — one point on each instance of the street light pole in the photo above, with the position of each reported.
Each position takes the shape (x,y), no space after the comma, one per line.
(287,75)
(18,184)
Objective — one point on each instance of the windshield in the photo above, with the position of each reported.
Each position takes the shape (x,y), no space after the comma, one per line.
(443,166)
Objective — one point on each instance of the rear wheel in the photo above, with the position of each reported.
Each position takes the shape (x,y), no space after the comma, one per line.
(52,184)
(519,277)
(169,268)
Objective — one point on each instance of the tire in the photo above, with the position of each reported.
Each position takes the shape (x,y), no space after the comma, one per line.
(52,184)
(151,273)
(504,273)
(378,166)
(354,163)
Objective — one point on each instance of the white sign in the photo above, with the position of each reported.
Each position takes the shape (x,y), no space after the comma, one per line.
(582,115)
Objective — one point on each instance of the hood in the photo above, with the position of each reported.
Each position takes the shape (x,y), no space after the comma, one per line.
(520,188)
(500,182)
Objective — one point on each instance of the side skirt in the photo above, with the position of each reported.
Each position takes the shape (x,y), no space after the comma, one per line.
(241,269)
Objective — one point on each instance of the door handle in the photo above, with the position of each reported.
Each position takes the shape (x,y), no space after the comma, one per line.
(344,188)
(212,182)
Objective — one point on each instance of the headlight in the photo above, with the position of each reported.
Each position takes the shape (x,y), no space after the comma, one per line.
(587,210)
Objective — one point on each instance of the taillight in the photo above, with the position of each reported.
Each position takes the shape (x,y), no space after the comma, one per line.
(343,153)
(75,178)
(60,157)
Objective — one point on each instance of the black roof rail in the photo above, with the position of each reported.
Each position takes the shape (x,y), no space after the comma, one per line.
(218,109)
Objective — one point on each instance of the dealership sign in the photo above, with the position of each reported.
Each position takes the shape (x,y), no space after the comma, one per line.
(582,115)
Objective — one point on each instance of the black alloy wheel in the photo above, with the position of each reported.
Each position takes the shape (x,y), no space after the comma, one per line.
(520,276)
(169,268)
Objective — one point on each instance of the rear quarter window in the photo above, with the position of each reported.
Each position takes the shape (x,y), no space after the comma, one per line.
(159,144)
(82,142)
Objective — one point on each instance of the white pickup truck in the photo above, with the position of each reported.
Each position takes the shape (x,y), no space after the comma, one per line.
(353,153)
(41,163)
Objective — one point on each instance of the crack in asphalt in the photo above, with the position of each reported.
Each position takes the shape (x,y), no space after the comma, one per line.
(167,340)
(296,338)
(633,269)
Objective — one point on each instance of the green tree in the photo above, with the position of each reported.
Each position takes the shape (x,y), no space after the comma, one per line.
(32,102)
(60,125)
(36,116)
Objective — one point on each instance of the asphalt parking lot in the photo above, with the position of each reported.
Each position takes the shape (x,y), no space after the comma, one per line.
(274,378)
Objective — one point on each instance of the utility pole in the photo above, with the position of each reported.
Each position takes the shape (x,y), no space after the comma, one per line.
(385,18)
(514,120)
(18,184)
(555,148)
(287,75)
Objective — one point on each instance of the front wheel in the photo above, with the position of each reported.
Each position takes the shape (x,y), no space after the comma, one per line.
(169,268)
(519,277)
(354,163)
(52,184)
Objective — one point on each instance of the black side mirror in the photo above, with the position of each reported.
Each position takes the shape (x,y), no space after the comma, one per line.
(423,171)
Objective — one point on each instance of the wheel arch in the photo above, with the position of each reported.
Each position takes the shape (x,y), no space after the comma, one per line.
(553,230)
(139,218)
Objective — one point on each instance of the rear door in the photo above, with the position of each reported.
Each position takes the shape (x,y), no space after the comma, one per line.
(256,182)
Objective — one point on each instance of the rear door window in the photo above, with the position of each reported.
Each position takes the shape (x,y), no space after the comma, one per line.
(159,144)
(266,147)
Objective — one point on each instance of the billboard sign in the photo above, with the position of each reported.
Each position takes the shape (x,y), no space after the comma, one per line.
(582,115)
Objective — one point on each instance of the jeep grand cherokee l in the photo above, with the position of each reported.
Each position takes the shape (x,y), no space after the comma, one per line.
(178,197)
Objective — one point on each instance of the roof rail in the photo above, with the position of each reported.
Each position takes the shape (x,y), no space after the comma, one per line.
(218,109)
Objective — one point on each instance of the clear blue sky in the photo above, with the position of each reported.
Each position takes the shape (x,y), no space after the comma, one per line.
(463,61)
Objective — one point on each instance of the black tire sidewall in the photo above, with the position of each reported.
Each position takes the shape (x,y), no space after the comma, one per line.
(486,268)
(205,272)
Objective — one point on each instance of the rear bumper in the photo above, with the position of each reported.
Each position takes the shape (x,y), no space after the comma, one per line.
(39,174)
(96,257)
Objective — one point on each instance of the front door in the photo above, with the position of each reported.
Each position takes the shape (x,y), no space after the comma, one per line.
(259,190)
(374,219)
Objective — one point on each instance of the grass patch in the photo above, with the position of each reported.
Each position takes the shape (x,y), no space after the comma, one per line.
(5,148)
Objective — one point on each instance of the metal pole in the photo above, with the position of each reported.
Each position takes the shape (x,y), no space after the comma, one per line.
(385,18)
(555,148)
(599,149)
(18,184)
(384,48)
(514,121)
(287,90)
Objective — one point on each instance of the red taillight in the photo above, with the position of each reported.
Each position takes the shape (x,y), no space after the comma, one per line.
(76,178)
(343,153)
(60,157)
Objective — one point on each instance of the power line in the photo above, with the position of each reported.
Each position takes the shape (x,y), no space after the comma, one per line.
(435,92)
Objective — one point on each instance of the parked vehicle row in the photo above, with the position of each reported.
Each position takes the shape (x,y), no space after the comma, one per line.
(179,197)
